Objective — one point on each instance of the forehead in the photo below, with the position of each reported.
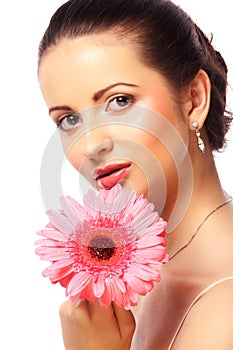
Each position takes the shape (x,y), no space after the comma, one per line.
(87,51)
(88,61)
(74,69)
(88,47)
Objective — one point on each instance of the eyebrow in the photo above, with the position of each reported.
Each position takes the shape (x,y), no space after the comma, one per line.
(60,108)
(96,97)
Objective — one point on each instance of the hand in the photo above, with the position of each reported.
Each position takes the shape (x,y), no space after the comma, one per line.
(88,326)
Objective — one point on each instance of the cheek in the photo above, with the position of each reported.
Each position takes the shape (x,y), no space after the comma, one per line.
(158,157)
(167,118)
(72,157)
(81,163)
(75,155)
(166,135)
(72,149)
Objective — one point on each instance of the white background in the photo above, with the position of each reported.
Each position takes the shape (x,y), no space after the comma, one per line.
(29,304)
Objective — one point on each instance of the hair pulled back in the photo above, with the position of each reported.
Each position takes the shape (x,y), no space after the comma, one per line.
(169,40)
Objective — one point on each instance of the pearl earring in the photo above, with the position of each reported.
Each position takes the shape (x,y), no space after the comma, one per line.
(200,142)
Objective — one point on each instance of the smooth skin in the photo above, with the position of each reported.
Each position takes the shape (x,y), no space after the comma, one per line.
(70,75)
(112,326)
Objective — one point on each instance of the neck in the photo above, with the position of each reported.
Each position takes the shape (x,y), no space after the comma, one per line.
(198,197)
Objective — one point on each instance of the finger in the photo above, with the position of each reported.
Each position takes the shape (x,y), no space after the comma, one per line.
(77,303)
(99,313)
(66,309)
(69,310)
(125,320)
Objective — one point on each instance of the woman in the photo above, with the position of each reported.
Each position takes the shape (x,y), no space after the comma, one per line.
(139,96)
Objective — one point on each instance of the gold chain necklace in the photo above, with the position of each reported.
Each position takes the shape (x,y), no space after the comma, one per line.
(201,224)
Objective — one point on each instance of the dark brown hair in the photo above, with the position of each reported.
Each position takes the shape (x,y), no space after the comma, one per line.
(170,42)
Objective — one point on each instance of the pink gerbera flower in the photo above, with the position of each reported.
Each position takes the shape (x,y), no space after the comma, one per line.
(109,249)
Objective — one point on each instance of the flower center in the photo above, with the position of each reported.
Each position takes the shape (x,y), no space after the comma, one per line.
(101,248)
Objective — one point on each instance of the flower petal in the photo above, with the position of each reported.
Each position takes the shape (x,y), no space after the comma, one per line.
(136,284)
(145,272)
(144,222)
(61,222)
(119,223)
(150,240)
(106,298)
(117,295)
(156,253)
(79,211)
(69,211)
(98,286)
(53,234)
(78,283)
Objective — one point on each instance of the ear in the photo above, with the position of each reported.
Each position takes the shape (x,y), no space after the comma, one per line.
(199,99)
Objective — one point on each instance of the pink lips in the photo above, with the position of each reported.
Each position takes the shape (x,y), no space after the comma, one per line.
(110,175)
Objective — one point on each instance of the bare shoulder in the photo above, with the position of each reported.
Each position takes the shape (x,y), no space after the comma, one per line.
(209,324)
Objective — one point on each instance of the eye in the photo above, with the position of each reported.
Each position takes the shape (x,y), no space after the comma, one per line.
(119,103)
(69,122)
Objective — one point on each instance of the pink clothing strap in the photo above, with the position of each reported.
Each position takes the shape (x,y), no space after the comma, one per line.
(199,296)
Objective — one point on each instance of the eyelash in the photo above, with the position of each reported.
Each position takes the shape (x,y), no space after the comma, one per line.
(128,99)
(62,119)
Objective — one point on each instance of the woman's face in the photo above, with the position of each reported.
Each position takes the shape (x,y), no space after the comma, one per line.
(118,120)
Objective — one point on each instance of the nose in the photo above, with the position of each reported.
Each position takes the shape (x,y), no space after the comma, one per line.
(100,150)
